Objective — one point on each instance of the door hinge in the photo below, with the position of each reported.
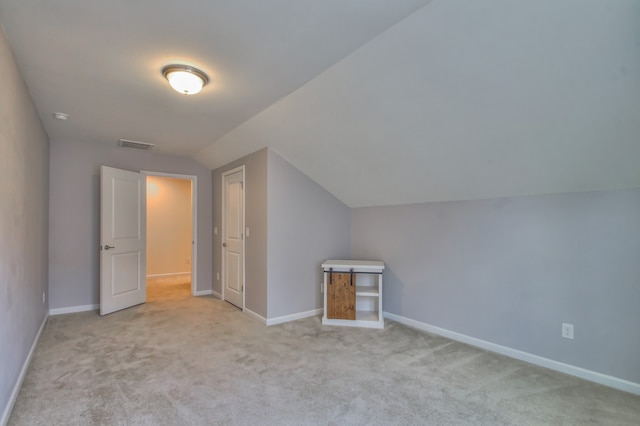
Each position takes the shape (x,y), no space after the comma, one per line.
(241,184)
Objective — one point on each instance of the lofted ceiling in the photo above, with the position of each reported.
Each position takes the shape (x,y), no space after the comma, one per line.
(380,102)
(100,61)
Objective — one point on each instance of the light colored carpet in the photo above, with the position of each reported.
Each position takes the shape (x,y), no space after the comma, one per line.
(182,360)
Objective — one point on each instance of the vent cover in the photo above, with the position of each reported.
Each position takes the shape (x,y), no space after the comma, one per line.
(125,143)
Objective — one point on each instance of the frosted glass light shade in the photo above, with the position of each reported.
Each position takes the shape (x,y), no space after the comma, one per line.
(184,79)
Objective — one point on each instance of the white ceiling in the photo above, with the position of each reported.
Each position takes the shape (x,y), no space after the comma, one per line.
(100,61)
(380,102)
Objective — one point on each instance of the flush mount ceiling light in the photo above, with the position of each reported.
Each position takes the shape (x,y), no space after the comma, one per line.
(185,79)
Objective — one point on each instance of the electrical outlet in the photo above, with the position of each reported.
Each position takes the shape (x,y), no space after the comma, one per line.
(567,331)
(44,298)
(321,288)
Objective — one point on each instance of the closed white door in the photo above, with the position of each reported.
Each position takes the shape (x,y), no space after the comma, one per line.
(122,239)
(233,237)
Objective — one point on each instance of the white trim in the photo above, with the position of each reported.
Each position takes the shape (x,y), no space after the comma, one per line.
(354,323)
(216,294)
(253,315)
(171,274)
(74,309)
(23,373)
(194,221)
(293,317)
(592,376)
(203,292)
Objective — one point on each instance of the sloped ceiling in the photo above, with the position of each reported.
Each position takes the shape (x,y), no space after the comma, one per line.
(379,102)
(468,100)
(100,61)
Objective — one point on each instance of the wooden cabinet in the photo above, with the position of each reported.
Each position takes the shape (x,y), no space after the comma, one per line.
(353,293)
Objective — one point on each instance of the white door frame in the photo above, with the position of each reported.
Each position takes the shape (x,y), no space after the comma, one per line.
(244,223)
(194,221)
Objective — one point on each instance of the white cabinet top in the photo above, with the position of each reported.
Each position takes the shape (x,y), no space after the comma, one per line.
(360,265)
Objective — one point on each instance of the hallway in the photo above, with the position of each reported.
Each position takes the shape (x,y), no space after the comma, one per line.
(168,288)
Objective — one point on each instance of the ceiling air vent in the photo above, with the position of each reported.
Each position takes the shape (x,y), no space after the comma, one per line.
(125,143)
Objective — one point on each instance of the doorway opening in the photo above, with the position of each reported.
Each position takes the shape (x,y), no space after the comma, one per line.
(171,235)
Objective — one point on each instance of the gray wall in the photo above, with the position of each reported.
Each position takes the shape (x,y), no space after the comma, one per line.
(307,225)
(24,170)
(510,271)
(74,215)
(256,219)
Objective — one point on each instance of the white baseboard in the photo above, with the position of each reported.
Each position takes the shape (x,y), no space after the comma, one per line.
(253,315)
(202,292)
(73,309)
(283,319)
(171,274)
(293,317)
(216,294)
(23,372)
(572,370)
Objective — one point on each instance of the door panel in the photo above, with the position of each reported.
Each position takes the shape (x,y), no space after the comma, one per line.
(233,272)
(124,270)
(122,239)
(341,296)
(234,231)
(233,238)
(126,209)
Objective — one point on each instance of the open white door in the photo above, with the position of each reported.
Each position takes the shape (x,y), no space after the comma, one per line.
(122,239)
(233,237)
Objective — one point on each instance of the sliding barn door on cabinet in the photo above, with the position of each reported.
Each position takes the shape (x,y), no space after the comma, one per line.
(341,296)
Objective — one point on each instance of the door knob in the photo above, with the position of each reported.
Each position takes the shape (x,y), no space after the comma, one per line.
(107,247)
(224,244)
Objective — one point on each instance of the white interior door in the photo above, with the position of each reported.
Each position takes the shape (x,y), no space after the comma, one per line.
(233,237)
(122,239)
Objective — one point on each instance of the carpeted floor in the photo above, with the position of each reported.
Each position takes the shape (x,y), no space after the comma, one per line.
(182,360)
